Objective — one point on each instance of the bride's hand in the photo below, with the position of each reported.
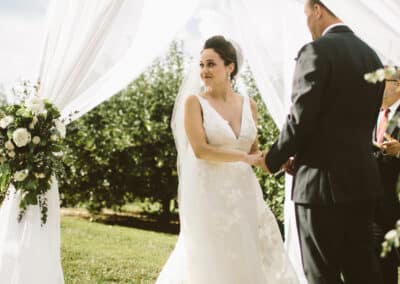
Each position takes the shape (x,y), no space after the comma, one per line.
(253,159)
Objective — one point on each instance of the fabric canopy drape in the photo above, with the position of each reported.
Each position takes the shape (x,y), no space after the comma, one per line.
(93,49)
(85,40)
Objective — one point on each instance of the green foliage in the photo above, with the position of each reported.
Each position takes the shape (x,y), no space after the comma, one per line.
(124,149)
(273,188)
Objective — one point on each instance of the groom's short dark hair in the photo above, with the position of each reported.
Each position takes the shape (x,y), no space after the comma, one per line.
(313,2)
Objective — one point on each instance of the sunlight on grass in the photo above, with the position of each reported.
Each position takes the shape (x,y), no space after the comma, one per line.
(97,253)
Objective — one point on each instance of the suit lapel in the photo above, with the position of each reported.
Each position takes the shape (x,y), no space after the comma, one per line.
(374,134)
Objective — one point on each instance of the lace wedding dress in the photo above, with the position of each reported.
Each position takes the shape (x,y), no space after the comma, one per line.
(228,235)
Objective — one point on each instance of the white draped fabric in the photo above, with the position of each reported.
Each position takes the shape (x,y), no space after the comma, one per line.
(79,49)
(93,49)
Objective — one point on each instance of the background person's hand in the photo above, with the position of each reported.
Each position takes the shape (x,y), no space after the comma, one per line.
(391,147)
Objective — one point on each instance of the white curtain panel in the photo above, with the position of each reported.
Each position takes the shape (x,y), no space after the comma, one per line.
(160,22)
(77,31)
(92,50)
(376,22)
(29,252)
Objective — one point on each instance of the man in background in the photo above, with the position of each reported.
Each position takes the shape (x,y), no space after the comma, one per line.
(387,152)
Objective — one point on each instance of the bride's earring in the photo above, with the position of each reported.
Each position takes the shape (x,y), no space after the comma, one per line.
(203,88)
(233,83)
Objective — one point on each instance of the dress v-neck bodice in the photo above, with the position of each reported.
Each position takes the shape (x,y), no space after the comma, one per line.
(220,133)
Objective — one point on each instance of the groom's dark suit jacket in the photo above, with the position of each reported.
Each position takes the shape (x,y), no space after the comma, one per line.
(334,111)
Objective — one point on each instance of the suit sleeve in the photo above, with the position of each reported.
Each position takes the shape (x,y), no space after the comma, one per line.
(310,78)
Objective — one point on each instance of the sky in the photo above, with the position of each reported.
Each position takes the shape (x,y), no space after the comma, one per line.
(22,30)
(22,27)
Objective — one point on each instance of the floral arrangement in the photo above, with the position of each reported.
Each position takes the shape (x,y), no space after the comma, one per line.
(30,149)
(392,240)
(380,74)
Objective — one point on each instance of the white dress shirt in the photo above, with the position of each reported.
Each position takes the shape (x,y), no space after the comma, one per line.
(331,27)
(392,111)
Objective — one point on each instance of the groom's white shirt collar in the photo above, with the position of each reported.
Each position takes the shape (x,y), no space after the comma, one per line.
(331,27)
(393,109)
(392,112)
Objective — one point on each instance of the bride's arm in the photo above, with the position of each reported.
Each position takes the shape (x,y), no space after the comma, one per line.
(198,141)
(255,147)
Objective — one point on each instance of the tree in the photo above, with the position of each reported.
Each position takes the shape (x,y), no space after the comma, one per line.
(124,148)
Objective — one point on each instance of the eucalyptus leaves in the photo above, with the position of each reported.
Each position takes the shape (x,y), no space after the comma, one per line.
(30,148)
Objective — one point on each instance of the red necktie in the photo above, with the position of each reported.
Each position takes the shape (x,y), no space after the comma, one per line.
(383,124)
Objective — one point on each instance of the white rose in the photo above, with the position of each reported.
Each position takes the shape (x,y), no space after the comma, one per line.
(368,77)
(21,137)
(35,105)
(11,154)
(54,137)
(391,235)
(390,71)
(36,140)
(9,145)
(6,121)
(380,74)
(21,175)
(62,131)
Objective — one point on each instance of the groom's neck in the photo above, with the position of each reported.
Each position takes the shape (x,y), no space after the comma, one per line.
(327,23)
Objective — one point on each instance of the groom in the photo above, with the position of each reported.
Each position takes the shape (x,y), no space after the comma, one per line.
(328,132)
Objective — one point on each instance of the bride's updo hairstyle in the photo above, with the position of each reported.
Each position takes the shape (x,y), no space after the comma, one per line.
(225,50)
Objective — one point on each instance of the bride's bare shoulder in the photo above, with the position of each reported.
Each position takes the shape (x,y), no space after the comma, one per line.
(192,102)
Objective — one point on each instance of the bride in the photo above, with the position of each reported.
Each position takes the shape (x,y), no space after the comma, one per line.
(228,235)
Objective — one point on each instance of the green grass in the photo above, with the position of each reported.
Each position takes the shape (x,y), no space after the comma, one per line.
(94,253)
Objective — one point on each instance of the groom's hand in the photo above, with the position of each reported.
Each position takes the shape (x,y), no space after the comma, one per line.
(288,167)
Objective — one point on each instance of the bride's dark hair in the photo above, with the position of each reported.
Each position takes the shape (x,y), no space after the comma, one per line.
(225,50)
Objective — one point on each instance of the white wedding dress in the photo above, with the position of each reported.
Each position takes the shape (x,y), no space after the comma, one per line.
(228,235)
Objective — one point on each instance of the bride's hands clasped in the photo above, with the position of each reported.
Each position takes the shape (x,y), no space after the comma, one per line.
(253,159)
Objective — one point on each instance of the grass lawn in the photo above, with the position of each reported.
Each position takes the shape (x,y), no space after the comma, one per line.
(94,253)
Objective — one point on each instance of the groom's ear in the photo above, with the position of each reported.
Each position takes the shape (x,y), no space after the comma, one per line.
(317,10)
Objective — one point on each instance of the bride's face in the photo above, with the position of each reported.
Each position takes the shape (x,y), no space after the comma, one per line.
(212,68)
